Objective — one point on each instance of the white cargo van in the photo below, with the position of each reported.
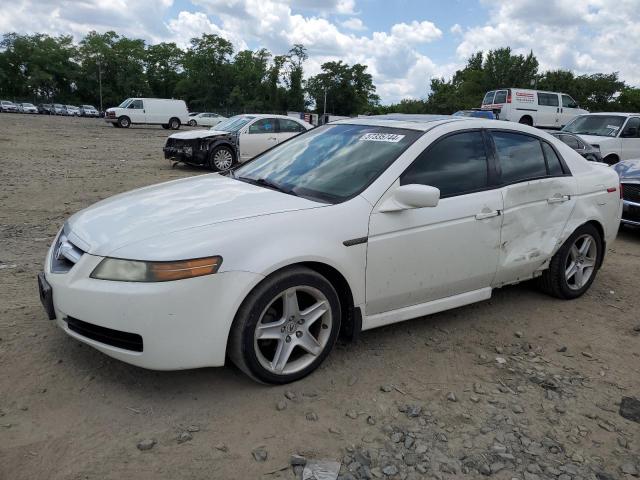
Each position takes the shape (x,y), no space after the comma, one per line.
(151,111)
(532,107)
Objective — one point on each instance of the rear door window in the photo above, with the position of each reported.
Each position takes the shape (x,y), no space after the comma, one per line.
(520,156)
(265,125)
(548,99)
(456,165)
(488,98)
(553,162)
(501,97)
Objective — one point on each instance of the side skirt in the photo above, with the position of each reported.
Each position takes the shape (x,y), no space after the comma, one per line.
(422,309)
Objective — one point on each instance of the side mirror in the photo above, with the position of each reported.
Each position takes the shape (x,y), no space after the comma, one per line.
(411,196)
(629,132)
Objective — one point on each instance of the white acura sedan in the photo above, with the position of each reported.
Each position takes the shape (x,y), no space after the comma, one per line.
(347,227)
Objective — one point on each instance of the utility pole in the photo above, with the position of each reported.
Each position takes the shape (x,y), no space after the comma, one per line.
(324,115)
(100,83)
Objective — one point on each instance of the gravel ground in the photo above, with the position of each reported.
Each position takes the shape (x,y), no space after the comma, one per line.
(521,386)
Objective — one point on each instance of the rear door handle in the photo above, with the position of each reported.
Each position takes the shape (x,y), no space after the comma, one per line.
(559,199)
(482,215)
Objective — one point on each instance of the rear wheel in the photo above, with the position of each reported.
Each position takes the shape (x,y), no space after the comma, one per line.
(526,120)
(286,327)
(573,268)
(124,122)
(221,159)
(174,124)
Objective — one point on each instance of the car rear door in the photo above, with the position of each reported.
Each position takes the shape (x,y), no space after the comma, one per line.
(260,135)
(538,193)
(419,255)
(630,139)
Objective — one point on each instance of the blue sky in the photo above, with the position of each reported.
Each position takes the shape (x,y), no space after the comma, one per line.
(404,43)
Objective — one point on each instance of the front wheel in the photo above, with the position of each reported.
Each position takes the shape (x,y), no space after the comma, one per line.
(124,122)
(286,327)
(221,159)
(192,123)
(573,268)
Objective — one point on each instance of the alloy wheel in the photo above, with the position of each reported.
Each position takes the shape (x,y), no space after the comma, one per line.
(223,159)
(581,261)
(293,330)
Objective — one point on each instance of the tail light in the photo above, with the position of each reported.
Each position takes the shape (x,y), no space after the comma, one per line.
(620,190)
(509,97)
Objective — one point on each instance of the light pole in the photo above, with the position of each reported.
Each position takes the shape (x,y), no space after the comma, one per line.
(100,83)
(324,115)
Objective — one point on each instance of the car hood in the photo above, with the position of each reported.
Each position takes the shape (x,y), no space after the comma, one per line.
(190,135)
(628,169)
(169,207)
(595,139)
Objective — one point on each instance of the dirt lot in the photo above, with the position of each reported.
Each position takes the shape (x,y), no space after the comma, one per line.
(522,386)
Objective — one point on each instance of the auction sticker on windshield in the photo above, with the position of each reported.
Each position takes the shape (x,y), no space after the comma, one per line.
(381,137)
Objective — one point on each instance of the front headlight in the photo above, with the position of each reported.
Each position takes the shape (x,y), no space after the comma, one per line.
(138,271)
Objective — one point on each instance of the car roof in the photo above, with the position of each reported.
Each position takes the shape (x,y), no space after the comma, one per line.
(620,114)
(409,121)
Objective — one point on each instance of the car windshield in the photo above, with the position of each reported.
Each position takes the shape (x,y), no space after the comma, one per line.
(27,104)
(125,103)
(600,125)
(88,107)
(233,124)
(329,164)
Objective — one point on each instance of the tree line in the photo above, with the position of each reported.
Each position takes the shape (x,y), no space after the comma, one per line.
(211,76)
(498,68)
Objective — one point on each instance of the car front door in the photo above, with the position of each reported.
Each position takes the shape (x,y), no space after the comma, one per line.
(419,255)
(257,137)
(630,139)
(569,110)
(136,112)
(538,195)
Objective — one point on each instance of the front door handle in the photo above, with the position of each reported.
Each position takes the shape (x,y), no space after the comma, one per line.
(559,199)
(486,214)
(273,138)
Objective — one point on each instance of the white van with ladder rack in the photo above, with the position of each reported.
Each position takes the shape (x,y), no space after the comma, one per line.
(532,107)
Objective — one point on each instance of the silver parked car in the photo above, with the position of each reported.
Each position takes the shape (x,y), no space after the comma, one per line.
(27,108)
(7,106)
(88,111)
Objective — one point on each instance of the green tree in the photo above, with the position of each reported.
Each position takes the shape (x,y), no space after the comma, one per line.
(163,64)
(349,89)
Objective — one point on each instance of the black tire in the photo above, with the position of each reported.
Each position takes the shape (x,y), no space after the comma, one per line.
(553,281)
(214,160)
(526,120)
(242,346)
(174,124)
(124,122)
(165,126)
(611,159)
(192,123)
(115,124)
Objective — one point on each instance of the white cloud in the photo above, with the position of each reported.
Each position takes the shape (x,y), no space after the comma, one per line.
(588,36)
(416,32)
(354,23)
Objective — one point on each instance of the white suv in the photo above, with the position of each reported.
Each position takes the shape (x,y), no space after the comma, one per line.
(532,107)
(617,135)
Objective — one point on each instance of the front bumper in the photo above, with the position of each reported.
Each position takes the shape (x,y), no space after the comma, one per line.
(179,154)
(180,324)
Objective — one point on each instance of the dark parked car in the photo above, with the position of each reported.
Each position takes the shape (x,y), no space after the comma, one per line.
(475,113)
(629,172)
(45,109)
(588,151)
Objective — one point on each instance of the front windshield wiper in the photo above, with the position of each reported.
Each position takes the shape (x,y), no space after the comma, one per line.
(264,182)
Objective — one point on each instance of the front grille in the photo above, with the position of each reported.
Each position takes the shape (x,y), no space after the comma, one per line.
(65,254)
(108,336)
(631,192)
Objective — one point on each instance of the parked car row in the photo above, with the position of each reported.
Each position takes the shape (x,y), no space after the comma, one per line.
(49,109)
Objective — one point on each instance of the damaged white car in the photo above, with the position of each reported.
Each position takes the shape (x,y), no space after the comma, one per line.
(354,225)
